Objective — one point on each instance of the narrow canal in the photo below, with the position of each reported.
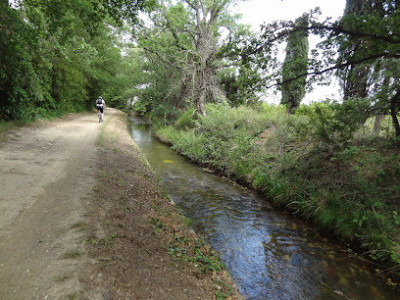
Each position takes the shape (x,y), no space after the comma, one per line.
(269,254)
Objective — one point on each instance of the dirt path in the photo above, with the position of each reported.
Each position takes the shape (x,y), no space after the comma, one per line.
(73,229)
(45,172)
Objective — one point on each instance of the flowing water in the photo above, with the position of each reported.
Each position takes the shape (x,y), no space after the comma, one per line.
(269,254)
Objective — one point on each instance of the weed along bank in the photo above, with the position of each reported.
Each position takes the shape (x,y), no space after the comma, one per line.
(134,229)
(323,184)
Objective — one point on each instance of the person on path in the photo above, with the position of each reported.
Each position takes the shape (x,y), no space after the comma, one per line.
(100,105)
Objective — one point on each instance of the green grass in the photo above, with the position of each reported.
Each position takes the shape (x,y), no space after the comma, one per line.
(194,250)
(308,163)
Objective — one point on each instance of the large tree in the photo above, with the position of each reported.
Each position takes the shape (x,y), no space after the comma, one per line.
(295,63)
(185,38)
(355,77)
(204,30)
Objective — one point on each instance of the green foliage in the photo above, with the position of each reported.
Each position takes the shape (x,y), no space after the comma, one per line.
(241,88)
(158,224)
(162,64)
(194,250)
(174,63)
(187,120)
(353,194)
(164,114)
(309,164)
(159,91)
(59,56)
(225,121)
(18,82)
(224,132)
(295,64)
(329,122)
(368,63)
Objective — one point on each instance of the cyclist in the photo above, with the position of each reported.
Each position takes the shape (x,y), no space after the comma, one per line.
(100,105)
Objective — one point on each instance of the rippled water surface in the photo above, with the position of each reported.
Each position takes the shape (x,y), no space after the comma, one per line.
(269,254)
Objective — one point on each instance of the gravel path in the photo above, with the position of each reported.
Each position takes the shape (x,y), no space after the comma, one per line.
(45,172)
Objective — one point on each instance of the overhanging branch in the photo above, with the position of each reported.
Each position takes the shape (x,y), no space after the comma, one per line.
(338,66)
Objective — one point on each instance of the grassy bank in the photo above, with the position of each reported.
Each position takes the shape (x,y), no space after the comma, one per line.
(143,245)
(322,168)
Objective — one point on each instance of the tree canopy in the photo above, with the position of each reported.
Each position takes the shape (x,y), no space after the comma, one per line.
(57,56)
(183,41)
(362,48)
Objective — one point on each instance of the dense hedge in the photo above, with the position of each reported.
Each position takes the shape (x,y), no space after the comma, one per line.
(57,57)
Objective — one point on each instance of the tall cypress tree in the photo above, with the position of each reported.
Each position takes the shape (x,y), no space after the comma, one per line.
(295,64)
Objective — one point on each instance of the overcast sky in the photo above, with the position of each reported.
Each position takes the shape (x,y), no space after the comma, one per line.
(257,12)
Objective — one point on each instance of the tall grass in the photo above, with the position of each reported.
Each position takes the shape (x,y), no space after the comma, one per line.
(222,139)
(309,163)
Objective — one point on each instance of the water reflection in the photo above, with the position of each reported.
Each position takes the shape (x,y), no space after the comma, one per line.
(270,255)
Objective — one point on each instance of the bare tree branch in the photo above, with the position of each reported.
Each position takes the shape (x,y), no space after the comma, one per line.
(340,66)
(284,28)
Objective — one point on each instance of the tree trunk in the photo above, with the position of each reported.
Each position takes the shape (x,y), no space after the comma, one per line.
(394,104)
(184,94)
(201,93)
(203,50)
(377,123)
(356,77)
(356,82)
(206,49)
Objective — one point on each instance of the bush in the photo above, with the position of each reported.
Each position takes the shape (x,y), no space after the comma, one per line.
(162,115)
(330,122)
(187,120)
(224,135)
(226,122)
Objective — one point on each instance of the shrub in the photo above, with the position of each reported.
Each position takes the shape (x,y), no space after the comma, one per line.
(162,115)
(330,122)
(187,120)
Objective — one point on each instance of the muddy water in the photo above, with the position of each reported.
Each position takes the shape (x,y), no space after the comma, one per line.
(269,254)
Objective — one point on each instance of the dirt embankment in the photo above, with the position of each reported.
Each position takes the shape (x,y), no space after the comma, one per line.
(83,217)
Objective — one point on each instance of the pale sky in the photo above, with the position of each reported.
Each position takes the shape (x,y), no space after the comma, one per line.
(257,12)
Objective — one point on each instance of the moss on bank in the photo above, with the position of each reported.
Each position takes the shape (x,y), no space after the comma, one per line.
(308,163)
